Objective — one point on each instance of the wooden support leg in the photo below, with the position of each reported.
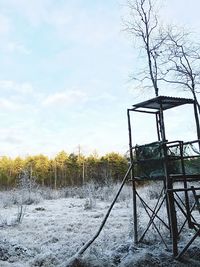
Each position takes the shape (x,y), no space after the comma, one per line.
(173,223)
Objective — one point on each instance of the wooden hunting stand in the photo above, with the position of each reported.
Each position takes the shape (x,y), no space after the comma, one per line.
(170,162)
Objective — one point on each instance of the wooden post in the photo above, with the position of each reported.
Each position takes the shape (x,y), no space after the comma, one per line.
(157,126)
(187,205)
(160,120)
(133,181)
(162,124)
(89,243)
(169,185)
(171,205)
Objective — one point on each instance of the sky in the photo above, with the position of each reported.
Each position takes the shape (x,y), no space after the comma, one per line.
(65,70)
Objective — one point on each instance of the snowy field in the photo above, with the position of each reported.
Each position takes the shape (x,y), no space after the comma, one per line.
(55,224)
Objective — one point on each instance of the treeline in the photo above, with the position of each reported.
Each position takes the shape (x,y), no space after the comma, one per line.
(62,170)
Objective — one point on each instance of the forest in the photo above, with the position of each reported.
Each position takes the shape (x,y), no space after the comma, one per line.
(62,170)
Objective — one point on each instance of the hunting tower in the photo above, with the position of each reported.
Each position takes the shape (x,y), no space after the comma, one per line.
(170,161)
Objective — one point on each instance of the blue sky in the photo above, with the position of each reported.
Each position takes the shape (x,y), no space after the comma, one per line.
(65,74)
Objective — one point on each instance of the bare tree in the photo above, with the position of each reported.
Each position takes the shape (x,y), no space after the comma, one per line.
(143,24)
(183,62)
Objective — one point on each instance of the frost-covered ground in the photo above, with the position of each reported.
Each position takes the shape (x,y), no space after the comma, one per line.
(56,224)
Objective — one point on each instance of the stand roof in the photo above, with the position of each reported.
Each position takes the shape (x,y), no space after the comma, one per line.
(162,102)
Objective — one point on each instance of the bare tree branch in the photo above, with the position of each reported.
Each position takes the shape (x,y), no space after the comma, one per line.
(143,24)
(184,61)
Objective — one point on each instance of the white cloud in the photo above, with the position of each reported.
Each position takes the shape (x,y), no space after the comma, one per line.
(65,98)
(14,47)
(35,11)
(18,96)
(24,87)
(12,140)
(84,26)
(71,21)
(5,25)
(105,96)
(180,12)
(8,105)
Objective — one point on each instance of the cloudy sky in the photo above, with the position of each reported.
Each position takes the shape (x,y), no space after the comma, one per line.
(65,71)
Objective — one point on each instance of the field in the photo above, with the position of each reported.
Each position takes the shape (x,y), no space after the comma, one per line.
(45,227)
